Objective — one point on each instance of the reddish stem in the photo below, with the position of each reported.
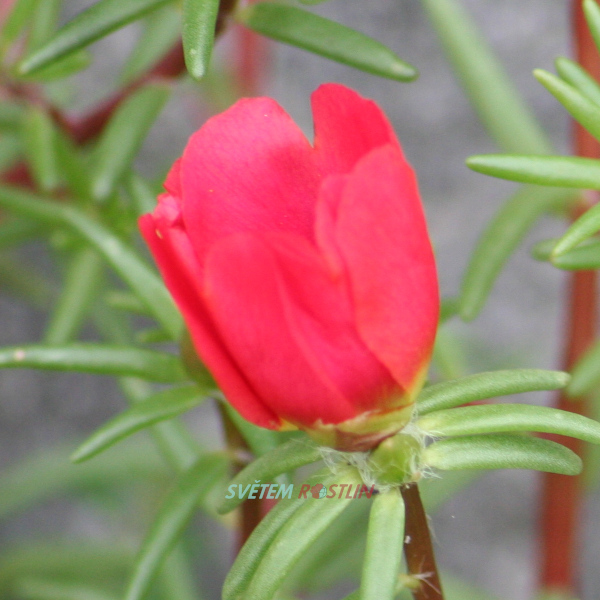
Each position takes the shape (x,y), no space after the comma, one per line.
(418,548)
(562,495)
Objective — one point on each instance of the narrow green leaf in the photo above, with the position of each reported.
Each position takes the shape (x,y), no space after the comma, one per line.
(252,552)
(584,257)
(500,239)
(592,15)
(173,516)
(73,167)
(101,359)
(586,373)
(327,38)
(132,269)
(93,562)
(40,148)
(141,194)
(48,473)
(95,22)
(585,226)
(295,538)
(158,407)
(501,451)
(79,291)
(61,68)
(499,418)
(198,33)
(575,75)
(18,18)
(178,578)
(583,110)
(162,29)
(48,589)
(15,231)
(495,99)
(491,384)
(385,541)
(287,457)
(11,116)
(126,301)
(43,22)
(123,137)
(563,171)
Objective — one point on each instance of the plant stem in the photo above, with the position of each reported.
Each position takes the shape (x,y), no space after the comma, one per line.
(562,495)
(418,548)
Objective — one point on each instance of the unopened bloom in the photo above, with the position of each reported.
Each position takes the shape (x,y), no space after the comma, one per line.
(304,272)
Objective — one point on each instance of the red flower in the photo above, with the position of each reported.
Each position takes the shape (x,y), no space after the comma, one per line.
(304,273)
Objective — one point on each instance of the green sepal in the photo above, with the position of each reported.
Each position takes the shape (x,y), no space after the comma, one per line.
(492,418)
(489,384)
(154,409)
(501,451)
(326,38)
(100,359)
(385,541)
(287,457)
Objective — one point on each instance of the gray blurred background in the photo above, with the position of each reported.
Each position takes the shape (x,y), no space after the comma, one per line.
(484,535)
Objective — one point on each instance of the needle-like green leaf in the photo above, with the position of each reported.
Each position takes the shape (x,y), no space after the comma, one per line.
(327,38)
(95,22)
(123,137)
(501,110)
(581,108)
(560,171)
(575,75)
(585,226)
(158,407)
(295,538)
(100,359)
(501,238)
(498,418)
(592,15)
(583,258)
(491,384)
(132,269)
(175,513)
(162,29)
(40,148)
(385,540)
(199,21)
(586,373)
(286,457)
(501,451)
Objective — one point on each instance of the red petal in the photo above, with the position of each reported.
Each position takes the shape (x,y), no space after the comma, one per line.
(291,329)
(173,181)
(347,127)
(248,169)
(175,257)
(383,239)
